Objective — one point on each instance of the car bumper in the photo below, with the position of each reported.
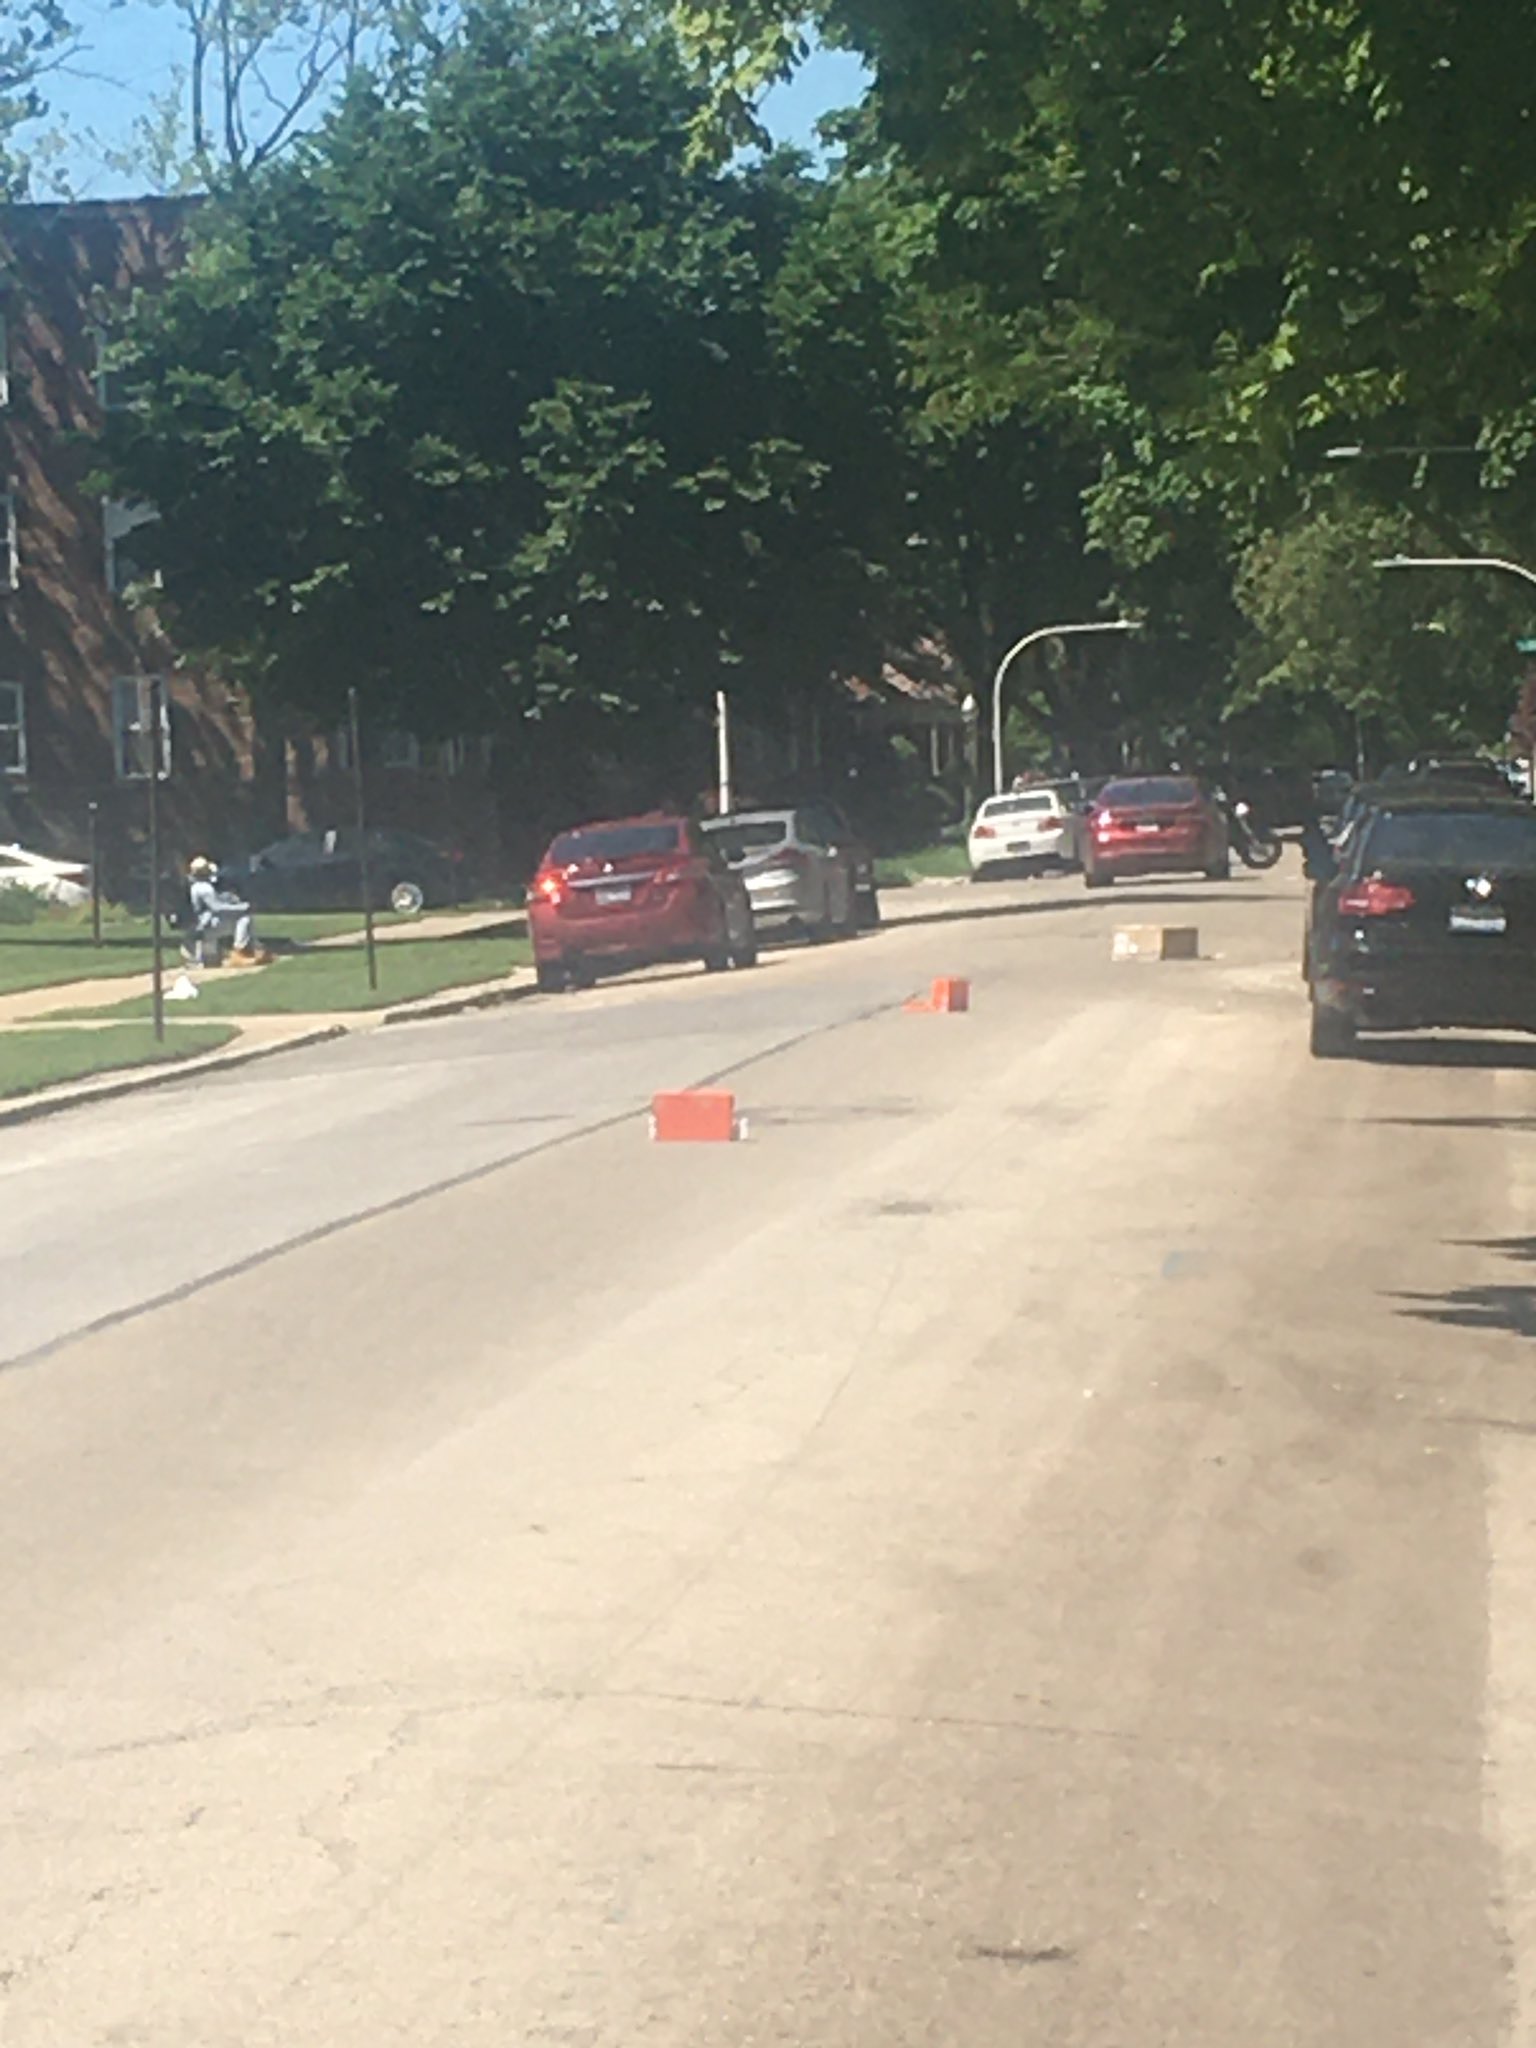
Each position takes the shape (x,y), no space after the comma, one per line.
(1162,860)
(1395,999)
(1037,851)
(780,903)
(671,932)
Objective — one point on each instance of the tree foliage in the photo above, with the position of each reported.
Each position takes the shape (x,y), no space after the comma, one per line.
(474,400)
(1212,237)
(35,36)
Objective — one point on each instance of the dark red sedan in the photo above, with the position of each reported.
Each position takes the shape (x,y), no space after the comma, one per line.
(631,892)
(1154,825)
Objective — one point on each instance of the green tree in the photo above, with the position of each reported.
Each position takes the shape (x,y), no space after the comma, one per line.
(35,37)
(1408,660)
(473,401)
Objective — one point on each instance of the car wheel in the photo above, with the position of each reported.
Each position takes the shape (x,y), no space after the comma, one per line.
(407,899)
(1220,870)
(869,910)
(744,952)
(551,976)
(1333,1035)
(1097,881)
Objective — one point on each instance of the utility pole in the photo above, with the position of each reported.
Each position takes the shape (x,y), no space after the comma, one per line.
(364,869)
(723,743)
(156,695)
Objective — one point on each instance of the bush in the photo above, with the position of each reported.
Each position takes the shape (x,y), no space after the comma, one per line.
(19,906)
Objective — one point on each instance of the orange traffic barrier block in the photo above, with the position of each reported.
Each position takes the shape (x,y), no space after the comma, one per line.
(694,1116)
(947,996)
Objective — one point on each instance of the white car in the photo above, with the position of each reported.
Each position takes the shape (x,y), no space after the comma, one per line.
(1027,828)
(67,882)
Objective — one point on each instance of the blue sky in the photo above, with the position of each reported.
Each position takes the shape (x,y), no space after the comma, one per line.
(130,50)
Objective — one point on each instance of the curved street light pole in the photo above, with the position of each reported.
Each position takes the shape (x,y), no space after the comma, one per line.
(1457,562)
(1022,646)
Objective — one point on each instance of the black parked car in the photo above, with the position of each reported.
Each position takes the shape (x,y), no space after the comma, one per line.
(323,871)
(1425,916)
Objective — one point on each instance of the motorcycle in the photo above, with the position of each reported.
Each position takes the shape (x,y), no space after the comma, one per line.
(1255,845)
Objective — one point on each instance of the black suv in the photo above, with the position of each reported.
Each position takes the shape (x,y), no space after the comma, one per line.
(1425,916)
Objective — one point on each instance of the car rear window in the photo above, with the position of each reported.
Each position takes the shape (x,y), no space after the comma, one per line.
(1016,806)
(1465,840)
(1154,789)
(753,833)
(614,842)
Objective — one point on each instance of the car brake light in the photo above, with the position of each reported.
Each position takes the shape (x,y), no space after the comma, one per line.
(984,832)
(550,889)
(1375,898)
(668,878)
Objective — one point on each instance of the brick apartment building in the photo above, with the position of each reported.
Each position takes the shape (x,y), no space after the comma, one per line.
(76,658)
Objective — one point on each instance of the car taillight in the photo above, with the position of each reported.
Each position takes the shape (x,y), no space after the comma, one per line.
(1375,898)
(682,871)
(984,832)
(549,889)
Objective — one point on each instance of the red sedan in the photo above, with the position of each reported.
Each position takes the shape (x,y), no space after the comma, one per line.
(1154,825)
(633,891)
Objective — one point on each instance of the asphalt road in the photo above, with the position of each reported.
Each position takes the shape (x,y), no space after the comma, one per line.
(1036,1546)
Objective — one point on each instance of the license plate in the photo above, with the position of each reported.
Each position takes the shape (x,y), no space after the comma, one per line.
(615,895)
(1491,921)
(1149,828)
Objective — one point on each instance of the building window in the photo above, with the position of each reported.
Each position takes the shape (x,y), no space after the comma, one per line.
(106,381)
(130,728)
(13,729)
(119,522)
(10,553)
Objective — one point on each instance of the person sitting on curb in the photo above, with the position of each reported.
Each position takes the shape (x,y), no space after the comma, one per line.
(215,913)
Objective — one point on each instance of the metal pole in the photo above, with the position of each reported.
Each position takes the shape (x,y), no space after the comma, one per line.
(364,870)
(94,846)
(157,983)
(1021,646)
(723,738)
(1458,562)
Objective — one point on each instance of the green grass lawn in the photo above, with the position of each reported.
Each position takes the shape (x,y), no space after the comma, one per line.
(58,948)
(924,863)
(32,1059)
(317,983)
(39,955)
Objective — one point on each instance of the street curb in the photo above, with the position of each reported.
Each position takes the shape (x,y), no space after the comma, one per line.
(72,1095)
(487,995)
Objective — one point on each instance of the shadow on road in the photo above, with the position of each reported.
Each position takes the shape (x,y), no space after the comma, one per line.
(1487,1307)
(1476,1308)
(1522,1250)
(1449,1052)
(1457,1123)
(1125,902)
